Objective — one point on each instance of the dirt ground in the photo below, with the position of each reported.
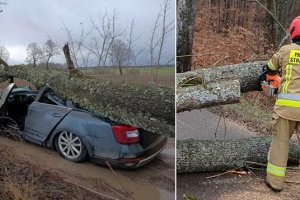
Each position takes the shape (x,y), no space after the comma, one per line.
(48,176)
(231,187)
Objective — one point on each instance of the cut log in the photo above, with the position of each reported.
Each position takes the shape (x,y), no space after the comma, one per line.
(200,96)
(246,73)
(149,107)
(221,155)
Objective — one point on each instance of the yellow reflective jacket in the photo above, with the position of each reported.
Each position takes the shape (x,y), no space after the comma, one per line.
(288,103)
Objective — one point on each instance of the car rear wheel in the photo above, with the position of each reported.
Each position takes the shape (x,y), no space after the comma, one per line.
(70,146)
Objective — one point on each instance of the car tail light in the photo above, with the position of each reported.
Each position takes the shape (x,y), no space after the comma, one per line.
(126,134)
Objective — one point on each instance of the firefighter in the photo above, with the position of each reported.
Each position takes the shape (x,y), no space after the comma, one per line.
(286,115)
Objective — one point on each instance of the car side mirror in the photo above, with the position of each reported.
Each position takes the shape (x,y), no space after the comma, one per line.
(70,104)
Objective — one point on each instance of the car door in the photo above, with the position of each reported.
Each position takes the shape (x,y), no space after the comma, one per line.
(41,119)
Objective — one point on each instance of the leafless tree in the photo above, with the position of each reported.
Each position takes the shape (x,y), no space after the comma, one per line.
(2,3)
(34,54)
(4,54)
(118,54)
(114,32)
(100,42)
(107,31)
(131,43)
(166,28)
(153,40)
(50,50)
(161,29)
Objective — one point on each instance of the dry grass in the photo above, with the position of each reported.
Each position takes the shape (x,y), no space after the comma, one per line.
(164,76)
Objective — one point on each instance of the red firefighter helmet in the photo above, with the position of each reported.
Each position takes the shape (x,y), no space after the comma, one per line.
(295,27)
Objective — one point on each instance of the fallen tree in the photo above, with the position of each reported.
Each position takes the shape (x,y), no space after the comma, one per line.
(205,95)
(216,85)
(221,155)
(247,74)
(149,107)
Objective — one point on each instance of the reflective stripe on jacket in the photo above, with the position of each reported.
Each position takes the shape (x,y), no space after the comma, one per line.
(288,60)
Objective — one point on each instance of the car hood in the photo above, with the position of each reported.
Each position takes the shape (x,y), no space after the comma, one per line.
(5,93)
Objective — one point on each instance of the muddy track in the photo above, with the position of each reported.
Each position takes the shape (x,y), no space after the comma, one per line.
(153,181)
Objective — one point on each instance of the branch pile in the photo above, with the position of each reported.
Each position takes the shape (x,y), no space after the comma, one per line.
(149,107)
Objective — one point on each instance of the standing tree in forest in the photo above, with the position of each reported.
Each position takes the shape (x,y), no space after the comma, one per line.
(34,54)
(50,50)
(185,30)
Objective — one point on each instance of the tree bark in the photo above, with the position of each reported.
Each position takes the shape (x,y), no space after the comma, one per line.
(200,96)
(247,74)
(222,155)
(68,57)
(185,28)
(148,107)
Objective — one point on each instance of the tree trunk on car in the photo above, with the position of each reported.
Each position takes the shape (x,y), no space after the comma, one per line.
(145,106)
(222,155)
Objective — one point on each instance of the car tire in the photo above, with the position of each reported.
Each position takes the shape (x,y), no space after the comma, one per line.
(70,146)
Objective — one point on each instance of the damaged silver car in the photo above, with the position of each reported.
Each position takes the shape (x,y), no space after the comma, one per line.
(48,120)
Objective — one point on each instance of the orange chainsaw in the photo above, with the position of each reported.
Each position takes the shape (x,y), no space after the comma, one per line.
(269,83)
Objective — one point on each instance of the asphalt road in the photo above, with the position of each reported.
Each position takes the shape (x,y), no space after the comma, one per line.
(204,125)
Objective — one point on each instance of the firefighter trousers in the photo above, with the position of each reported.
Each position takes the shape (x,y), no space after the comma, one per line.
(282,131)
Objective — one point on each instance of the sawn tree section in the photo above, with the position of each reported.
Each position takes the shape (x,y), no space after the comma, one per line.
(221,155)
(216,85)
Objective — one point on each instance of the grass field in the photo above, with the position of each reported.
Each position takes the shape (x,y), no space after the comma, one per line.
(127,70)
(161,70)
(158,75)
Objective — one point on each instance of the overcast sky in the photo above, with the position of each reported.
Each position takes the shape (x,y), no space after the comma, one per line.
(24,22)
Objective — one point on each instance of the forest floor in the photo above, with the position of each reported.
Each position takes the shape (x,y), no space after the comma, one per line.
(252,116)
